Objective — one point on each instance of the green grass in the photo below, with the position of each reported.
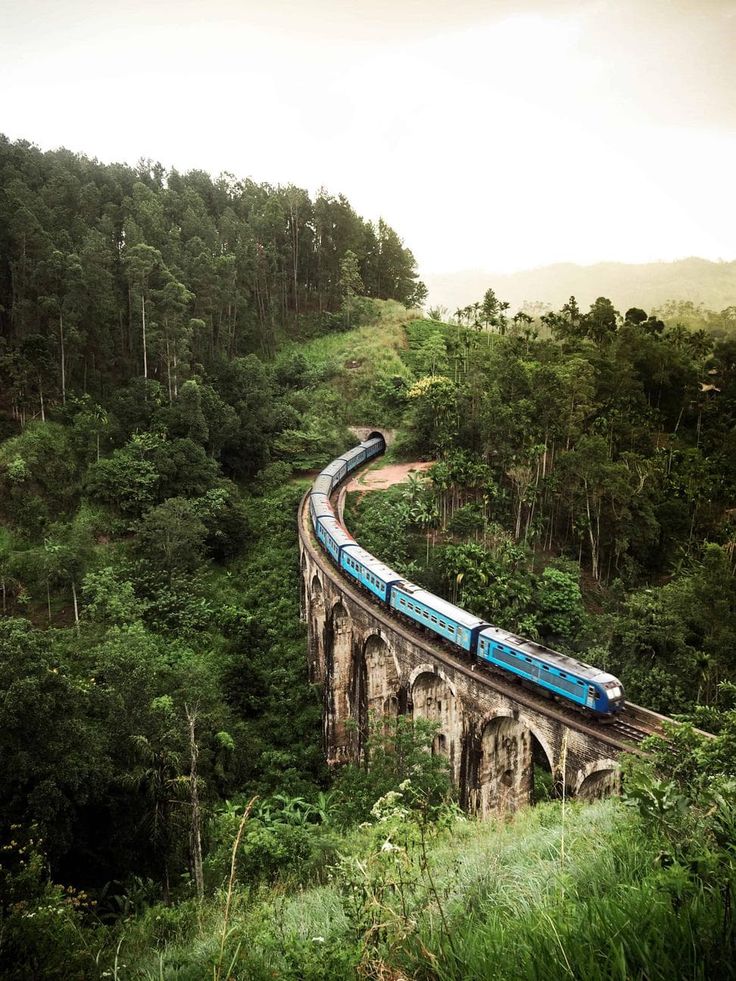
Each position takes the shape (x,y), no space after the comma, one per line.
(354,362)
(517,905)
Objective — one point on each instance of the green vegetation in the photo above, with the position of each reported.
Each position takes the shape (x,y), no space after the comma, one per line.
(174,356)
(582,491)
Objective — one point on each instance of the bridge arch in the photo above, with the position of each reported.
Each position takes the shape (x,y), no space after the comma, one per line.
(598,779)
(428,668)
(505,770)
(434,697)
(316,628)
(374,685)
(303,598)
(383,675)
(338,645)
(316,592)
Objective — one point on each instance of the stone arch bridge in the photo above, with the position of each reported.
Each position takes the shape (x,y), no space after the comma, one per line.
(492,730)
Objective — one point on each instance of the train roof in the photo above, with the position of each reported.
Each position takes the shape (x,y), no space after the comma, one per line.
(375,565)
(321,502)
(436,603)
(341,535)
(332,468)
(350,455)
(322,484)
(533,649)
(373,440)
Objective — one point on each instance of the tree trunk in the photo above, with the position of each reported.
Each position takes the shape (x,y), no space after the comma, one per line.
(592,536)
(76,606)
(168,368)
(143,321)
(195,835)
(63,360)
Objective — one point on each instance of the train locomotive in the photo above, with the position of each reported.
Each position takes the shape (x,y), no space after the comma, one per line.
(555,675)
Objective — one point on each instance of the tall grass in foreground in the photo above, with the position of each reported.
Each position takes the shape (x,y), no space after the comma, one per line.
(613,910)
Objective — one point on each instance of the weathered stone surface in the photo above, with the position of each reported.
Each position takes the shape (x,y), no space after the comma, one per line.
(370,663)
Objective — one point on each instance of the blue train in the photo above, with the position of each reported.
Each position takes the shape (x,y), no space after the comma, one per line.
(562,677)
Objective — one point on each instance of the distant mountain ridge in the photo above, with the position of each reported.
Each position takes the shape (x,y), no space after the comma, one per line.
(712,284)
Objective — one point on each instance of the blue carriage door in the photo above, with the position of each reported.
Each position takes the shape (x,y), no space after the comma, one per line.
(592,696)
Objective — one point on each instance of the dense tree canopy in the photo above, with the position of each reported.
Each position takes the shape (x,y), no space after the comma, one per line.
(109,272)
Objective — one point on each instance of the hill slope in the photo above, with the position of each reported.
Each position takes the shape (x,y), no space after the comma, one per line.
(712,284)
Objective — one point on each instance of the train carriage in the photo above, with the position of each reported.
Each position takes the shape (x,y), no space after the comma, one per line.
(320,507)
(373,446)
(333,536)
(369,571)
(563,676)
(337,471)
(353,458)
(442,618)
(322,484)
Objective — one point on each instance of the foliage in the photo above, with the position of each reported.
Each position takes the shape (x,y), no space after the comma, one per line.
(397,753)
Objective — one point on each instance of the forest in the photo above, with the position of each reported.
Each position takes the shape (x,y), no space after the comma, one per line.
(177,355)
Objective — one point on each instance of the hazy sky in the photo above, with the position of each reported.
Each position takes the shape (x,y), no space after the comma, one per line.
(493,135)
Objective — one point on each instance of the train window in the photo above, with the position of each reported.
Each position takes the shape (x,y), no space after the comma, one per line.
(451,629)
(403,602)
(442,623)
(434,619)
(425,614)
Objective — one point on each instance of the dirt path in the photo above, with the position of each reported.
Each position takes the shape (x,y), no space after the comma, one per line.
(396,473)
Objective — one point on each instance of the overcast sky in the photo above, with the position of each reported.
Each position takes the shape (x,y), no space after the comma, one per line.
(491,135)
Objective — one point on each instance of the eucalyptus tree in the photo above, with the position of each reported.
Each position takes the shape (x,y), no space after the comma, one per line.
(60,284)
(140,262)
(351,283)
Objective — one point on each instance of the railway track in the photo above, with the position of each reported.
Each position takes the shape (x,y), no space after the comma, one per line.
(624,734)
(629,732)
